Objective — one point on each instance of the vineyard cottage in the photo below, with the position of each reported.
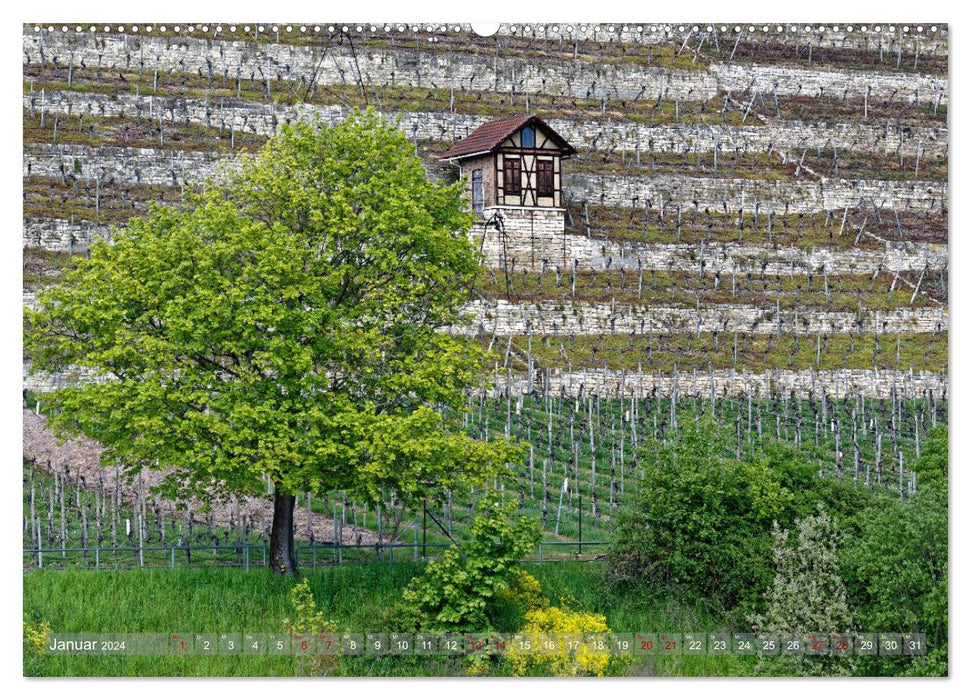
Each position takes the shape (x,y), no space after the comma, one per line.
(513,171)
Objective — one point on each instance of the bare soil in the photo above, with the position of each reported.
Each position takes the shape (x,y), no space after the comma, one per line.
(80,460)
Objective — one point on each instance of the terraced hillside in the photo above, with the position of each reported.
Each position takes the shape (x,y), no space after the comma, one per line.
(755,215)
(761,199)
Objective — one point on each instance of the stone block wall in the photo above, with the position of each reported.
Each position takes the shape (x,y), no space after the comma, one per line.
(556,75)
(842,383)
(556,249)
(530,234)
(565,317)
(176,168)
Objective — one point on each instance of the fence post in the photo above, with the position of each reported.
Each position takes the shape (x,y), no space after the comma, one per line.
(264,554)
(246,549)
(97,557)
(173,557)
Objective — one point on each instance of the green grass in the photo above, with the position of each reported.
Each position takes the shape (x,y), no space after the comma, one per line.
(855,165)
(797,291)
(690,226)
(665,352)
(46,267)
(727,164)
(80,199)
(223,600)
(805,52)
(134,132)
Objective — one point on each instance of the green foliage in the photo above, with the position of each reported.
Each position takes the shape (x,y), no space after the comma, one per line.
(931,466)
(702,520)
(896,574)
(524,593)
(310,621)
(228,599)
(461,591)
(807,595)
(281,326)
(36,635)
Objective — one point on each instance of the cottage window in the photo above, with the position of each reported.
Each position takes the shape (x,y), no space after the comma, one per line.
(529,137)
(477,198)
(511,181)
(544,178)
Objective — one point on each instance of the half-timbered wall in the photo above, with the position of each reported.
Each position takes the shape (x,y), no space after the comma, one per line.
(528,194)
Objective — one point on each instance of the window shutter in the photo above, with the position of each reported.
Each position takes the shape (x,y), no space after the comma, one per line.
(511,181)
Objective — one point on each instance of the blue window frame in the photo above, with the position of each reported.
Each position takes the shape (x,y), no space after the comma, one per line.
(529,137)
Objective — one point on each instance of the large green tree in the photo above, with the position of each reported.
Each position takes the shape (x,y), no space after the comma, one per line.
(281,325)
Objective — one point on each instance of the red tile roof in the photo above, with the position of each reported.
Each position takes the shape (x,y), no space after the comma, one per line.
(488,136)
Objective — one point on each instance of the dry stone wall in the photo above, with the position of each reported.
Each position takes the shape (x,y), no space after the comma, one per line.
(860,36)
(62,235)
(562,250)
(265,119)
(843,84)
(836,383)
(340,64)
(731,194)
(148,166)
(563,317)
(43,382)
(547,249)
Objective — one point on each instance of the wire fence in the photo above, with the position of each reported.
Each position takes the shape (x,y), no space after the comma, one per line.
(257,555)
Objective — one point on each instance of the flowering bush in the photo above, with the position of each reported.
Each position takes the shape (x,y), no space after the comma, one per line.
(807,595)
(36,636)
(572,658)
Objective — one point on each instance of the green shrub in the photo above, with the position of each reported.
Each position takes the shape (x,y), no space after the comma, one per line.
(460,592)
(896,574)
(522,594)
(36,635)
(931,466)
(702,520)
(310,622)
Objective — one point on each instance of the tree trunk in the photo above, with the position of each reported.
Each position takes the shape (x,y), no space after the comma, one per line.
(281,536)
